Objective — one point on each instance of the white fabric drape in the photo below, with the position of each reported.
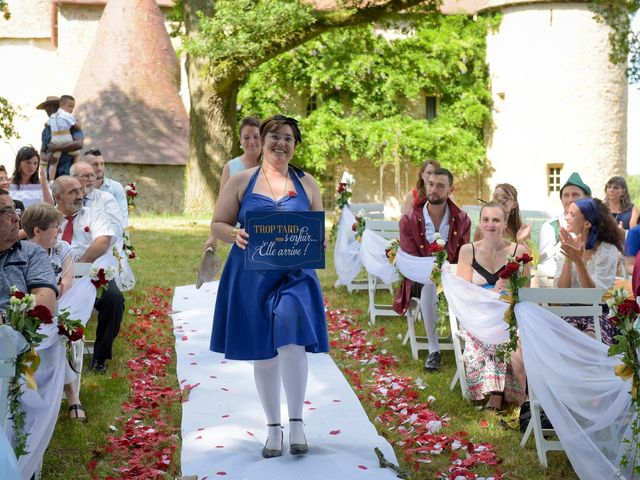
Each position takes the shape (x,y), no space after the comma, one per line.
(41,406)
(28,194)
(416,269)
(572,377)
(346,255)
(569,372)
(79,299)
(374,258)
(479,311)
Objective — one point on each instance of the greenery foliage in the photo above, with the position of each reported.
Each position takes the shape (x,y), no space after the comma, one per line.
(4,10)
(633,182)
(7,115)
(370,83)
(625,44)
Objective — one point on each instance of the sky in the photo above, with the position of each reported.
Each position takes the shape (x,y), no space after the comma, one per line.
(633,121)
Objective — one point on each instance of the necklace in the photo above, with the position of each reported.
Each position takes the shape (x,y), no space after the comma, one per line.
(286,181)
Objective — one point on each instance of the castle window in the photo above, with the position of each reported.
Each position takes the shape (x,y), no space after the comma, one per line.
(312,104)
(431,105)
(553,177)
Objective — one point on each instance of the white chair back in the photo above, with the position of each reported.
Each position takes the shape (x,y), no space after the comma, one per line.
(372,210)
(8,354)
(388,229)
(568,302)
(81,269)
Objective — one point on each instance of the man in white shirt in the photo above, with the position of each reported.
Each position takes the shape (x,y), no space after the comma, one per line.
(91,234)
(106,184)
(94,198)
(549,238)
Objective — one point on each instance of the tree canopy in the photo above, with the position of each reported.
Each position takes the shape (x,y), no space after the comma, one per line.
(370,82)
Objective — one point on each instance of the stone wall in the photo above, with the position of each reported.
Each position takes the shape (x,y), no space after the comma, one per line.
(557,100)
(160,187)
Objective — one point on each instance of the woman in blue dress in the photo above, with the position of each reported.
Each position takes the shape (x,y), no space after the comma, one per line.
(274,316)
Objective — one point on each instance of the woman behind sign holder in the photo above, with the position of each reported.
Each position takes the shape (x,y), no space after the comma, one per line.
(283,317)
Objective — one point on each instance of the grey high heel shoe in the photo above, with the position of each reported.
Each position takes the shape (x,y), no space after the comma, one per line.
(273,452)
(298,448)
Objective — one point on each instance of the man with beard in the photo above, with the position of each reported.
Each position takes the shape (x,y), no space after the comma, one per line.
(436,213)
(106,184)
(90,232)
(23,264)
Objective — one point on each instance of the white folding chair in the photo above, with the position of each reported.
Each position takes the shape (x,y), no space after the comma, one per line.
(80,347)
(421,342)
(457,342)
(374,211)
(563,302)
(389,230)
(8,354)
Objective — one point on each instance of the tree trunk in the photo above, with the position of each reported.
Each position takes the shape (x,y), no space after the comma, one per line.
(212,121)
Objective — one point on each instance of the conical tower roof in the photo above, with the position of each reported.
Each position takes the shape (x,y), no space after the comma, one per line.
(127,94)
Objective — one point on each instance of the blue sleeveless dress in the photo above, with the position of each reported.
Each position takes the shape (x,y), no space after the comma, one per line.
(258,311)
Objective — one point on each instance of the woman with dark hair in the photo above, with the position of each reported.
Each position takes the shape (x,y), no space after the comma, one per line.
(250,158)
(419,191)
(29,180)
(617,199)
(283,316)
(591,246)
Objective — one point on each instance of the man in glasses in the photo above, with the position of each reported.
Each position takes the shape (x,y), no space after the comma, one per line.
(23,264)
(91,234)
(50,106)
(106,184)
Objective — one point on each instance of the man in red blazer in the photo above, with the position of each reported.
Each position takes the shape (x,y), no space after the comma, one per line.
(434,213)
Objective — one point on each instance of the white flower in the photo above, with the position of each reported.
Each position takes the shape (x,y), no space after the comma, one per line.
(439,240)
(361,213)
(348,179)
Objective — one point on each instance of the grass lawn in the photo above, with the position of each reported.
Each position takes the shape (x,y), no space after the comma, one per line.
(168,250)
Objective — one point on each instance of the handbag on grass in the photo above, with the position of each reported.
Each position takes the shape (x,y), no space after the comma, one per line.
(208,268)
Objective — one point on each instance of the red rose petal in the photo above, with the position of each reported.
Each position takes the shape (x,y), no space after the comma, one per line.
(484,423)
(200,429)
(307,402)
(225,389)
(191,353)
(185,338)
(362,467)
(219,446)
(199,437)
(193,363)
(225,416)
(334,432)
(249,433)
(212,376)
(311,408)
(337,401)
(219,473)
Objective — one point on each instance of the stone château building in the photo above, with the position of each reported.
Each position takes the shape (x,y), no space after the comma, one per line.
(558,104)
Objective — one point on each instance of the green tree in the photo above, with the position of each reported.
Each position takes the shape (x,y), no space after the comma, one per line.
(225,40)
(370,92)
(7,111)
(633,182)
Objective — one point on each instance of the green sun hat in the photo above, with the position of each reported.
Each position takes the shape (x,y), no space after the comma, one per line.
(575,181)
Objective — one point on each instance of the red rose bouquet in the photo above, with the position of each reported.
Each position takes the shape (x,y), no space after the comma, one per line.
(100,278)
(625,314)
(437,249)
(25,317)
(132,193)
(513,273)
(360,225)
(343,194)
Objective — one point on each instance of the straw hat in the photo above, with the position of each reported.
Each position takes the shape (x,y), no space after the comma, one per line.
(49,101)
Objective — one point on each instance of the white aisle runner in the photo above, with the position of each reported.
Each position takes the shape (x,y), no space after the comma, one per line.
(223,426)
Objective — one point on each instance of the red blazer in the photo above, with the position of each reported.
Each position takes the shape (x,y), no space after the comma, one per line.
(413,241)
(635,277)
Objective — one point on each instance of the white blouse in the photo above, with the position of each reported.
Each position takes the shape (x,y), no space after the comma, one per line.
(601,267)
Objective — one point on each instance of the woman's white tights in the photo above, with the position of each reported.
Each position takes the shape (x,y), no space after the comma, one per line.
(289,367)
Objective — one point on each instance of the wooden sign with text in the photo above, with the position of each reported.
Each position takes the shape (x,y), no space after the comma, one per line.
(284,240)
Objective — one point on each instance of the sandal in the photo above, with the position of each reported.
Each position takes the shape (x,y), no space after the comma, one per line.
(74,413)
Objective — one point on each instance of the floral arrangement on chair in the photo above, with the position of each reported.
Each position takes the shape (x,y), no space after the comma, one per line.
(25,317)
(100,277)
(127,246)
(359,225)
(437,250)
(132,193)
(391,251)
(72,329)
(513,273)
(625,314)
(343,194)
